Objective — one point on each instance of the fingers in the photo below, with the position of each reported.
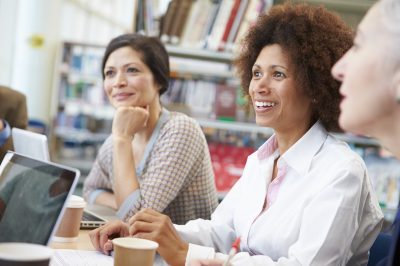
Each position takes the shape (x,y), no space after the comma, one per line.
(205,262)
(101,236)
(145,215)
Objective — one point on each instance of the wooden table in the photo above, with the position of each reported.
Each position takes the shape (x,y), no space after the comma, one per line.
(83,242)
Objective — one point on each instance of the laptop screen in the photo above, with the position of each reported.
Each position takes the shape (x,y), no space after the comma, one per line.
(32,196)
(31,144)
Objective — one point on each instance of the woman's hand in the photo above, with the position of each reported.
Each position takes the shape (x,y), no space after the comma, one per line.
(213,262)
(129,120)
(101,237)
(149,224)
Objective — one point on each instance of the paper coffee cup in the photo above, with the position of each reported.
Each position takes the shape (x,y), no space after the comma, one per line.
(24,254)
(68,230)
(134,251)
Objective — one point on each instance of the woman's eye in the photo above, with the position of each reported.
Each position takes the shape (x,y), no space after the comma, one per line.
(132,70)
(257,74)
(108,73)
(279,75)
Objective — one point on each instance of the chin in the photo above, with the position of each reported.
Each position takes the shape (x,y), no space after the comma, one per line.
(262,123)
(350,126)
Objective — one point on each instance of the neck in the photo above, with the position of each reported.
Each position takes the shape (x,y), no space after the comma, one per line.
(389,138)
(387,132)
(286,138)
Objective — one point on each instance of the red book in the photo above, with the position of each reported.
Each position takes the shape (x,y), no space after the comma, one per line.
(229,24)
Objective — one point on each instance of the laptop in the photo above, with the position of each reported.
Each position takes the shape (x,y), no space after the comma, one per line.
(35,145)
(91,220)
(30,143)
(33,194)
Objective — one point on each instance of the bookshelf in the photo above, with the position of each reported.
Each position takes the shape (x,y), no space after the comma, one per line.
(200,75)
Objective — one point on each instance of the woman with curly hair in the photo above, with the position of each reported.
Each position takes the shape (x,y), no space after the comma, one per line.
(304,197)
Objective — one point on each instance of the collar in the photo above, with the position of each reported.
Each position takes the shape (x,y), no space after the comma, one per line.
(299,156)
(164,117)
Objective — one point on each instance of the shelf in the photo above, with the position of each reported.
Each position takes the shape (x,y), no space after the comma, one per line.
(199,54)
(235,126)
(253,128)
(189,74)
(79,135)
(357,139)
(360,6)
(84,165)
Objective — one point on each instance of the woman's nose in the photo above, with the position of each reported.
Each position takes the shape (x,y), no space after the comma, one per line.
(339,68)
(120,81)
(261,86)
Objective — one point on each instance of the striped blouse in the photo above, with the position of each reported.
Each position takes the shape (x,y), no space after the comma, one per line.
(175,177)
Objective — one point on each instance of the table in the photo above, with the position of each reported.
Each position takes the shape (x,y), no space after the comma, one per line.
(83,242)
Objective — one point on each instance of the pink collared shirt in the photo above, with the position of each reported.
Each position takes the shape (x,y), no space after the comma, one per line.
(268,149)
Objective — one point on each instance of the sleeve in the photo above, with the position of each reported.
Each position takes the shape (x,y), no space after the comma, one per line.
(213,238)
(5,133)
(178,148)
(99,178)
(325,237)
(21,114)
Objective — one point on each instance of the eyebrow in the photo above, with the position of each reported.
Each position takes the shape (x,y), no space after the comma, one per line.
(125,65)
(271,67)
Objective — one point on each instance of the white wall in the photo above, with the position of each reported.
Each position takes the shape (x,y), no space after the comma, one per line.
(31,69)
(8,9)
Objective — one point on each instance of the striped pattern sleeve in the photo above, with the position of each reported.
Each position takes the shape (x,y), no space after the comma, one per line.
(171,164)
(100,176)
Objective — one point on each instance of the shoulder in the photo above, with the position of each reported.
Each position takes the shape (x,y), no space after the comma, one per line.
(181,123)
(8,92)
(336,156)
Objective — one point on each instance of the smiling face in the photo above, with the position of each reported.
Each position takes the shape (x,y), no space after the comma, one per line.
(128,81)
(367,80)
(278,103)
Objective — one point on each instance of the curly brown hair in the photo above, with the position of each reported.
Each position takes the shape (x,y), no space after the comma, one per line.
(314,39)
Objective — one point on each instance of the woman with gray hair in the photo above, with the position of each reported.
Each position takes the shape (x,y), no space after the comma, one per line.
(370,76)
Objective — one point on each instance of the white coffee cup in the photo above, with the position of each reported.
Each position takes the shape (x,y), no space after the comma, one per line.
(134,251)
(24,254)
(68,230)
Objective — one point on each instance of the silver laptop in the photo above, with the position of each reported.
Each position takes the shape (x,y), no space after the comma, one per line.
(31,144)
(96,215)
(33,194)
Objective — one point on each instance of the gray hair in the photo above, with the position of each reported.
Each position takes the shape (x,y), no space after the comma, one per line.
(390,10)
(390,17)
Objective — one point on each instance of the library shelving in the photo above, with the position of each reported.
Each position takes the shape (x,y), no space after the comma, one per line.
(83,116)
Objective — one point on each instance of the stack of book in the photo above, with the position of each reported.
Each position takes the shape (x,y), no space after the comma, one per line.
(210,24)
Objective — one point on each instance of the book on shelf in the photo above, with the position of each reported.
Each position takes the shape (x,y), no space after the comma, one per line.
(254,9)
(179,21)
(199,16)
(229,23)
(225,102)
(168,20)
(209,23)
(219,24)
(235,25)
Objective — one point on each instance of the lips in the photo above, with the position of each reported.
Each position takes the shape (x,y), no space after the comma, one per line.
(122,96)
(264,105)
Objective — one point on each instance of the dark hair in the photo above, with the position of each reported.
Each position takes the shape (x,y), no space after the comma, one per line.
(153,53)
(314,39)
